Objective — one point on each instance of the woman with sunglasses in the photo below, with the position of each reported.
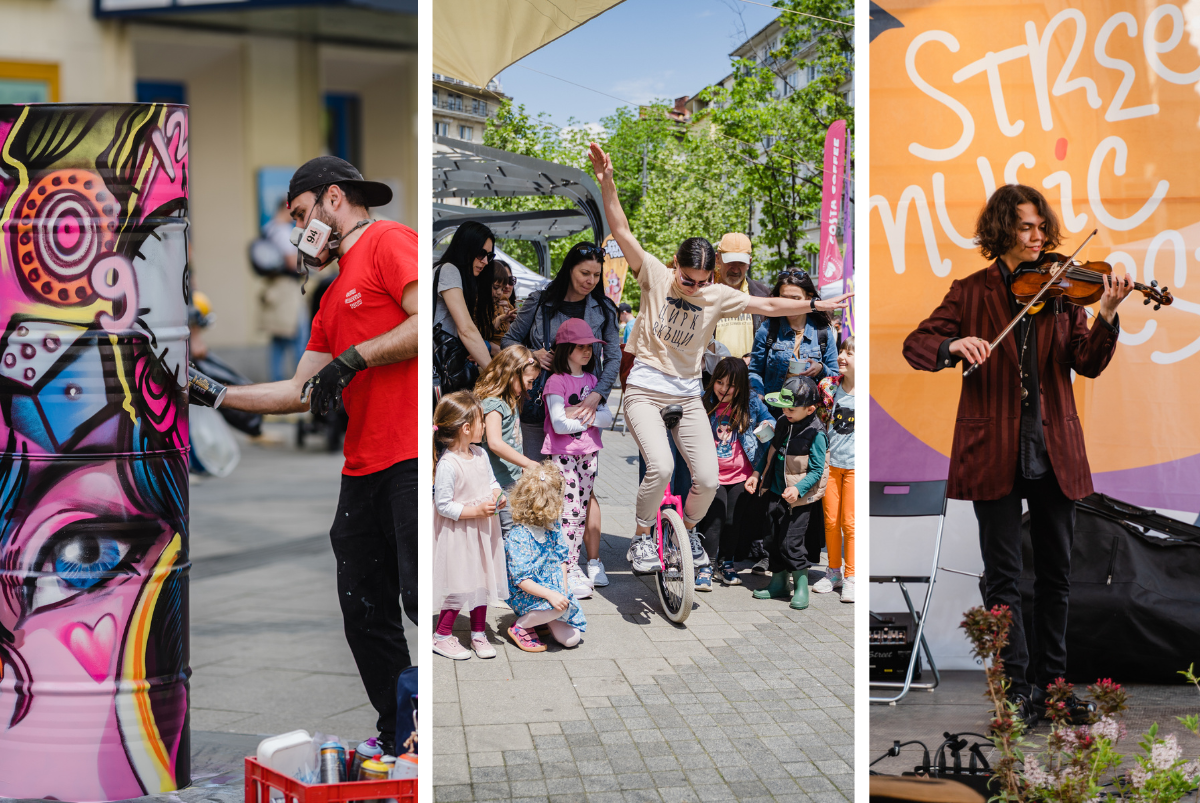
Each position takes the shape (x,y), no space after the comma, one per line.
(575,292)
(679,312)
(802,344)
(464,306)
(504,300)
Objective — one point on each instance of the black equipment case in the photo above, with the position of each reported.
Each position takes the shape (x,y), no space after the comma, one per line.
(1135,594)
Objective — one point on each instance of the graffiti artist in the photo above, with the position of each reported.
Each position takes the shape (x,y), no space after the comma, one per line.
(1017,434)
(369,321)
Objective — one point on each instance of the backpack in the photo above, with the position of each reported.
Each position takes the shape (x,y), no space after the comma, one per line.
(452,366)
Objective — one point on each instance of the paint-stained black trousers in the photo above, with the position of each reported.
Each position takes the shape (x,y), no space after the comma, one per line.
(374,537)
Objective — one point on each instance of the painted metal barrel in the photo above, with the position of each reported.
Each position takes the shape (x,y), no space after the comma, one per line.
(93,451)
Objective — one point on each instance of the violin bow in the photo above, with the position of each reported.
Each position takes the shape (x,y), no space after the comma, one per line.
(1053,278)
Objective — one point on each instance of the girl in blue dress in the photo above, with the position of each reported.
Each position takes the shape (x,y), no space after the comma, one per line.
(537,557)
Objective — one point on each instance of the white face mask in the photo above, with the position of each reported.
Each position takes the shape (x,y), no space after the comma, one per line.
(317,236)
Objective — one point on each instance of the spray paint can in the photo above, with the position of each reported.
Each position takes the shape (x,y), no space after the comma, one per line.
(405,767)
(204,390)
(373,770)
(333,763)
(366,750)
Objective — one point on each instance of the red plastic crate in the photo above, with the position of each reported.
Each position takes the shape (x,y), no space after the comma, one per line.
(260,779)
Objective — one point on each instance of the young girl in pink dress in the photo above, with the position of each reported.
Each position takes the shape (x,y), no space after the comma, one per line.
(468,548)
(573,446)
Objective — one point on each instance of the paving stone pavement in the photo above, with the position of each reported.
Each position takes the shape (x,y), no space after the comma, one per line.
(749,700)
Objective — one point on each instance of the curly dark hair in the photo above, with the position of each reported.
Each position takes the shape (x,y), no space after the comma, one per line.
(996,229)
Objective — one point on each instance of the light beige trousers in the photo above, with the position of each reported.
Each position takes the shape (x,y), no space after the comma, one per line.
(693,436)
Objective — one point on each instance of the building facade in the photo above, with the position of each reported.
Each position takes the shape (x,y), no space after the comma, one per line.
(268,89)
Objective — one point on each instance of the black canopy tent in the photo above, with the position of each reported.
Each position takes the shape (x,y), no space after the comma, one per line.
(467,170)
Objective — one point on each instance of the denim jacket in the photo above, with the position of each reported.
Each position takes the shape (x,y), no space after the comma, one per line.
(756,451)
(526,331)
(767,371)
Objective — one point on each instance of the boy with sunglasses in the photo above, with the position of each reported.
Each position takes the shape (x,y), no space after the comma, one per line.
(680,308)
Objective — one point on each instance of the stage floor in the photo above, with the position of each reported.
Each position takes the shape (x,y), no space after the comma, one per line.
(957,706)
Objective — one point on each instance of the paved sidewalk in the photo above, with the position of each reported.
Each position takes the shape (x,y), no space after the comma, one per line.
(749,700)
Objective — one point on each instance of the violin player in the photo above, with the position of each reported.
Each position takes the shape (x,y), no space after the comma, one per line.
(1017,433)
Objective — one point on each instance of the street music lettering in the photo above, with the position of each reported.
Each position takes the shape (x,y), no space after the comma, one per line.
(1122,184)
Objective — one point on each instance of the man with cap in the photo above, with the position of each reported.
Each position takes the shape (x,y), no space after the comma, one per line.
(368,319)
(733,269)
(792,484)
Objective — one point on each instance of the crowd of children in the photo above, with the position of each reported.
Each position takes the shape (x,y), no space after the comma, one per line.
(507,528)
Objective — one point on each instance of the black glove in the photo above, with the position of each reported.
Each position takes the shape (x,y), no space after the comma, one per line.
(323,392)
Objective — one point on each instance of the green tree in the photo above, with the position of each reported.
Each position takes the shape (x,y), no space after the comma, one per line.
(779,136)
(688,186)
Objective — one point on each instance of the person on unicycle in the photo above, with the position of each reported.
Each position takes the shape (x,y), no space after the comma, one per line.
(680,308)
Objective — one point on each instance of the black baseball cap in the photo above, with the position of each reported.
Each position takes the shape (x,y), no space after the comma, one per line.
(625,308)
(797,391)
(324,170)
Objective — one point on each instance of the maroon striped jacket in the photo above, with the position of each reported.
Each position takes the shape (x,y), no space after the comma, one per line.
(983,458)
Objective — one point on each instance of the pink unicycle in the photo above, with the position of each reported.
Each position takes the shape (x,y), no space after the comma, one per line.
(676,581)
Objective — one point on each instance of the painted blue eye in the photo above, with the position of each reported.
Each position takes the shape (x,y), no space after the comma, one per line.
(83,560)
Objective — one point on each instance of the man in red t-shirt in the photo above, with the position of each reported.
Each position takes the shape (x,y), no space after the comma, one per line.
(368,318)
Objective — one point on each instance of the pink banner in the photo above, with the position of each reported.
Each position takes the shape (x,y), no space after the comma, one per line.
(831,204)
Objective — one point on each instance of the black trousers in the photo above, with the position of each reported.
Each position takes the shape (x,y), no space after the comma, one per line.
(790,531)
(733,516)
(374,537)
(1052,528)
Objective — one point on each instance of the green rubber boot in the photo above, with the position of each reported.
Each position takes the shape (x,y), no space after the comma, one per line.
(777,589)
(800,595)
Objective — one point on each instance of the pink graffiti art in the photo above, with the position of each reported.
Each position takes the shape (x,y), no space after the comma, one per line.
(93,451)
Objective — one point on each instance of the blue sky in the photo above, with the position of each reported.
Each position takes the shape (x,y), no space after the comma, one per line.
(639,51)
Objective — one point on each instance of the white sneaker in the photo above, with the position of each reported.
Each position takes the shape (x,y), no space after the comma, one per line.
(596,575)
(699,556)
(848,590)
(577,582)
(822,586)
(838,580)
(643,555)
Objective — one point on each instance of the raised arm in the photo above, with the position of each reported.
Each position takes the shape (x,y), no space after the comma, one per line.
(617,222)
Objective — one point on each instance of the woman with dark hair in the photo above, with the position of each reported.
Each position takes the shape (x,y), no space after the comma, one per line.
(464,306)
(680,308)
(504,300)
(779,353)
(575,292)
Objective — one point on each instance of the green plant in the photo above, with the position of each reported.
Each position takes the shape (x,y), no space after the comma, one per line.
(1079,764)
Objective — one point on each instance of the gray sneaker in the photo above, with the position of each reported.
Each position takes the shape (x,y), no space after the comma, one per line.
(699,556)
(643,555)
(761,567)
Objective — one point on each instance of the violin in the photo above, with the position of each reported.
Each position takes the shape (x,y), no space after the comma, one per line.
(1081,283)
(1078,282)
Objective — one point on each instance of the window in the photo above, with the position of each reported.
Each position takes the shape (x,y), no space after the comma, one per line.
(465,132)
(28,82)
(343,126)
(435,98)
(812,72)
(479,107)
(161,92)
(441,129)
(454,102)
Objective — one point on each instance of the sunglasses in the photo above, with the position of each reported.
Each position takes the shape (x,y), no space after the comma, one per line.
(592,252)
(490,256)
(509,282)
(686,282)
(793,274)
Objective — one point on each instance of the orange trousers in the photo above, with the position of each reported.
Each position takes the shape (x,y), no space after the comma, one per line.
(839,518)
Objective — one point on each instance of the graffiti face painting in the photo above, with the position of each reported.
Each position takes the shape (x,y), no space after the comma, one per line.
(93,451)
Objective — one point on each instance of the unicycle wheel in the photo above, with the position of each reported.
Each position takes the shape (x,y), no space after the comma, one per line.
(676,583)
